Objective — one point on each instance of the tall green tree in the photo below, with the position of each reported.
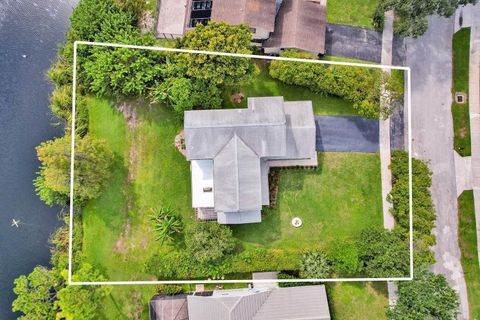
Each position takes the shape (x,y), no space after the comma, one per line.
(92,163)
(81,302)
(36,294)
(427,296)
(413,14)
(218,36)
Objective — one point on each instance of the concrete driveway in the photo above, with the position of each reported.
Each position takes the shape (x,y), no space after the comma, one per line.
(346,134)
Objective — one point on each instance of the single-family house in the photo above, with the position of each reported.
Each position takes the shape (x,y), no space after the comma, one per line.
(275,24)
(232,150)
(293,303)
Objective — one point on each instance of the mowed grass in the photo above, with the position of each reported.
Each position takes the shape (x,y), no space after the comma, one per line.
(263,85)
(337,201)
(351,12)
(461,112)
(358,300)
(147,173)
(468,247)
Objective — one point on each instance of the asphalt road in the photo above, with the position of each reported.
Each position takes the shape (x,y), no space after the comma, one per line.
(430,59)
(347,134)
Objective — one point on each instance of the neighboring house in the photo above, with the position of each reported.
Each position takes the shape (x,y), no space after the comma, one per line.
(163,307)
(232,150)
(294,303)
(278,24)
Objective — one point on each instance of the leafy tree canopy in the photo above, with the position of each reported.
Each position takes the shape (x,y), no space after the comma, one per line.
(413,13)
(218,36)
(92,162)
(209,242)
(36,295)
(81,302)
(428,296)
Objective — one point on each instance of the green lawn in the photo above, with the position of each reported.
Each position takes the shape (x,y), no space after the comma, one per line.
(146,173)
(264,85)
(336,201)
(468,247)
(460,112)
(322,198)
(358,301)
(352,12)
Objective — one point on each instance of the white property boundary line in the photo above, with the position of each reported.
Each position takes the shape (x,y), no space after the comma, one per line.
(72,159)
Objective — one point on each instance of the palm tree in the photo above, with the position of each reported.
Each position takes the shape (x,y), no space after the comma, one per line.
(166,224)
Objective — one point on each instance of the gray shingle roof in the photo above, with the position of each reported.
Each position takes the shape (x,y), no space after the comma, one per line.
(295,303)
(225,308)
(237,178)
(261,126)
(242,142)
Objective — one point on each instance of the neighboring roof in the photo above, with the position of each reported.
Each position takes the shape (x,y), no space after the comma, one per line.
(227,305)
(255,13)
(300,24)
(295,303)
(261,126)
(171,16)
(169,308)
(202,180)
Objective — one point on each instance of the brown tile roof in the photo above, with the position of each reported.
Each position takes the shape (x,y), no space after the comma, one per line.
(301,25)
(255,13)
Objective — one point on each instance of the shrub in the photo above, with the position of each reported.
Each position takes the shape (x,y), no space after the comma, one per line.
(166,224)
(315,265)
(384,253)
(422,205)
(345,257)
(169,289)
(123,71)
(184,94)
(209,242)
(284,275)
(361,86)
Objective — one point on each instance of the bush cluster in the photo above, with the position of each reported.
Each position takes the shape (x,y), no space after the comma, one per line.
(422,205)
(361,86)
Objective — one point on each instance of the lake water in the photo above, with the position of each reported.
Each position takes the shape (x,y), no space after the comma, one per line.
(30,31)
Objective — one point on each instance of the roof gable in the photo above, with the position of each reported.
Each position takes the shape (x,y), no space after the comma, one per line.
(236,171)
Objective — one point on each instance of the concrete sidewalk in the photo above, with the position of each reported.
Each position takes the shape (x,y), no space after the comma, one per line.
(385,144)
